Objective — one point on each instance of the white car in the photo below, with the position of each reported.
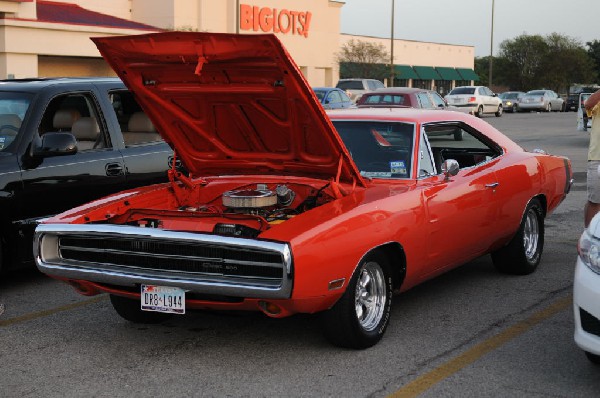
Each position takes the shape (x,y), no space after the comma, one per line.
(586,292)
(355,88)
(478,100)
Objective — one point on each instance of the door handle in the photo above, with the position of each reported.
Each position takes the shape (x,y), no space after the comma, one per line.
(114,169)
(492,185)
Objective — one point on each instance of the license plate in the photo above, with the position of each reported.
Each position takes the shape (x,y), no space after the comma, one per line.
(163,299)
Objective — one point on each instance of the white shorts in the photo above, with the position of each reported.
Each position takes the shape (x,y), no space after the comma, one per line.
(593,181)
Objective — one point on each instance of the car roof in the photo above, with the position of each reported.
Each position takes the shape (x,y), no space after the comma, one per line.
(399,90)
(35,84)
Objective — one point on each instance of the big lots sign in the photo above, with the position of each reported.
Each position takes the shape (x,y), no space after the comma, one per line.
(274,20)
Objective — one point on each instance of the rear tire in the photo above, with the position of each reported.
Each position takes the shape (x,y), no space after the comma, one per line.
(129,309)
(524,252)
(479,112)
(360,317)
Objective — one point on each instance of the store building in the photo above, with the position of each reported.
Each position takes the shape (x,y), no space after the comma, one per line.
(43,38)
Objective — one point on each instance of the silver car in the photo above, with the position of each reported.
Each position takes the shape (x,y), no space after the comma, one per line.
(542,100)
(511,100)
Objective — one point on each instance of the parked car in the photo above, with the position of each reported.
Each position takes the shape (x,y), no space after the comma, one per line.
(572,103)
(478,100)
(586,292)
(407,97)
(542,100)
(511,100)
(65,142)
(333,98)
(402,97)
(357,87)
(291,210)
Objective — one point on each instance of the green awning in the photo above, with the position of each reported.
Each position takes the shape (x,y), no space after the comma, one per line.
(448,73)
(427,73)
(468,74)
(404,72)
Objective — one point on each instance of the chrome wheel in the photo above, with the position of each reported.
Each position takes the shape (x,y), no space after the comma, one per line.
(370,296)
(531,235)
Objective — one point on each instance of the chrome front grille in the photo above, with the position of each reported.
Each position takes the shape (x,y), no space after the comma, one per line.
(126,255)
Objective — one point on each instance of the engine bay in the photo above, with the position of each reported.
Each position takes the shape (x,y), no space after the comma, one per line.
(246,211)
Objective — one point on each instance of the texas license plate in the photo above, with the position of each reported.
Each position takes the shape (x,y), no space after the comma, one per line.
(163,299)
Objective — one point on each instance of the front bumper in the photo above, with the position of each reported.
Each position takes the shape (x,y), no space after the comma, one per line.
(586,308)
(128,256)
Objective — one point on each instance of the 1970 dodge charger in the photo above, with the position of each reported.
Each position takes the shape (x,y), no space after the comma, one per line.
(287,209)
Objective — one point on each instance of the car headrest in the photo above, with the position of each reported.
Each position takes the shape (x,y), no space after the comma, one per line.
(64,118)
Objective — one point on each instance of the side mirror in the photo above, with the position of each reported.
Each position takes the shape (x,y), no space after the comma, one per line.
(450,168)
(56,144)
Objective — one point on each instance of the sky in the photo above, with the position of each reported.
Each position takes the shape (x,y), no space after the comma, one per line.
(468,22)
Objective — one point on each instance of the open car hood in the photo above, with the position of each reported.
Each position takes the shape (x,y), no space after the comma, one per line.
(230,104)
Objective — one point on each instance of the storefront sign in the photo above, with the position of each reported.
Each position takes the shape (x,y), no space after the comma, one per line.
(273,20)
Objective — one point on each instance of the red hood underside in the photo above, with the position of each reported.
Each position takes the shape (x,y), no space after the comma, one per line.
(230,104)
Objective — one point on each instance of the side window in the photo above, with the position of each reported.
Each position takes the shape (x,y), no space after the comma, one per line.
(78,114)
(424,100)
(136,126)
(334,97)
(437,100)
(426,166)
(344,97)
(461,143)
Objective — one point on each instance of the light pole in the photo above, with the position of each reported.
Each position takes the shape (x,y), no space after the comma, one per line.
(491,48)
(391,84)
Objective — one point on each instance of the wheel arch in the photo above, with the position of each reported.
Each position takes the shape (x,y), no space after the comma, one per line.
(396,257)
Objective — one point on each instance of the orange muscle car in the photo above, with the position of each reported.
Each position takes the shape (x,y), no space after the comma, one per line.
(286,209)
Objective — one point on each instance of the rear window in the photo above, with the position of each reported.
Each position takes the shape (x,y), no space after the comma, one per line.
(351,85)
(536,92)
(463,90)
(385,99)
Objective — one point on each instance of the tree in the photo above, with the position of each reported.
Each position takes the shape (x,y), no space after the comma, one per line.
(555,61)
(566,63)
(524,55)
(594,53)
(363,59)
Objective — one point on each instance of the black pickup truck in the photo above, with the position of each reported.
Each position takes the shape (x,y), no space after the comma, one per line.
(64,142)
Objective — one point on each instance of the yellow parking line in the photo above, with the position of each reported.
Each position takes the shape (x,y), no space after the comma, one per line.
(41,314)
(446,370)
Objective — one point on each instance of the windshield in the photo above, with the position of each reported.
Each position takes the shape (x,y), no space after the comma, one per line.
(462,90)
(13,107)
(508,95)
(379,149)
(386,99)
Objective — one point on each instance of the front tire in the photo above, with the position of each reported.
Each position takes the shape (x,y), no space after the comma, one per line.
(524,252)
(129,309)
(515,109)
(593,358)
(499,111)
(360,317)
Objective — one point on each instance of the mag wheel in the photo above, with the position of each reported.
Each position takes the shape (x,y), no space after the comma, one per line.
(129,309)
(361,315)
(524,252)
